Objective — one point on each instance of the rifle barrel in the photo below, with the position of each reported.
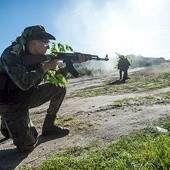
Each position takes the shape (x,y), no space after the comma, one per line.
(98,58)
(74,56)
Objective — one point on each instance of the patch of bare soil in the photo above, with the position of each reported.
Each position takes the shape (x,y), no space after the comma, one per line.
(93,120)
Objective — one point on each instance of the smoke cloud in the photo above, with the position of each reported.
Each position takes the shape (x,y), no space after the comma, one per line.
(128,27)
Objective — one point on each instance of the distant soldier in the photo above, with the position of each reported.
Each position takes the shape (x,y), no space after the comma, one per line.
(123,66)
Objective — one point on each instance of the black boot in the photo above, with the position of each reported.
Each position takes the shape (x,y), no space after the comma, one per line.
(4,129)
(49,128)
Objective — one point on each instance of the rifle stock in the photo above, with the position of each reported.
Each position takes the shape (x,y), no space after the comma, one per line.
(67,58)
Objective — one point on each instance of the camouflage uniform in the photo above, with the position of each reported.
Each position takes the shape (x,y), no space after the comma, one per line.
(20,91)
(123,66)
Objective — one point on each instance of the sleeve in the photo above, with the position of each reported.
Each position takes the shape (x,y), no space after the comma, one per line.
(118,65)
(128,62)
(19,74)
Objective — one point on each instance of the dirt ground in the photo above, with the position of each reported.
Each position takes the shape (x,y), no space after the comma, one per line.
(92,120)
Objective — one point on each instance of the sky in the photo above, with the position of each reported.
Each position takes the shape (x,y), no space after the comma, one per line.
(100,27)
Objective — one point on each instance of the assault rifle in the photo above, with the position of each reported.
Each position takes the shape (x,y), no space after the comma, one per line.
(67,58)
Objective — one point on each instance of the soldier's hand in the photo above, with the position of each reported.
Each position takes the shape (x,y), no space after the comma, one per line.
(49,65)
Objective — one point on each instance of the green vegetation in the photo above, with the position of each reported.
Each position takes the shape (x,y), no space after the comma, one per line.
(155,81)
(78,151)
(51,75)
(166,95)
(146,149)
(141,100)
(69,121)
(64,121)
(134,101)
(165,123)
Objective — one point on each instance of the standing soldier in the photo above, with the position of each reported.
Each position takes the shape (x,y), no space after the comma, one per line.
(123,66)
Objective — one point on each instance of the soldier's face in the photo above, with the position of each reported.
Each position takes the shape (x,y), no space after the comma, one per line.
(41,46)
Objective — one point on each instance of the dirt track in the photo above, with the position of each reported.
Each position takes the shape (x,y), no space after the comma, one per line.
(99,123)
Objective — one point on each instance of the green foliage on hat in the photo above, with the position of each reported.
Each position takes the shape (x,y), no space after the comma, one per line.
(20,42)
(24,36)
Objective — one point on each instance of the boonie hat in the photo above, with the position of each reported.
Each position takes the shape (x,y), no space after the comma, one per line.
(121,56)
(37,32)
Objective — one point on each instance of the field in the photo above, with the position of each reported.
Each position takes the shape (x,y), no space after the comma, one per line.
(98,111)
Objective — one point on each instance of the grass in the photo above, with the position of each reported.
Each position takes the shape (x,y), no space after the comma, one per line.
(166,95)
(165,123)
(147,149)
(142,100)
(149,82)
(131,101)
(68,121)
(64,121)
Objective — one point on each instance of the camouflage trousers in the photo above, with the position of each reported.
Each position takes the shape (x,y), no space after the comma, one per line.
(16,117)
(125,74)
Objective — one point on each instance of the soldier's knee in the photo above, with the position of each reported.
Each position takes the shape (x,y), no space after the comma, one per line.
(27,148)
(26,140)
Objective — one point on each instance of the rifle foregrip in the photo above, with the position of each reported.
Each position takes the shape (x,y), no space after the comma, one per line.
(71,68)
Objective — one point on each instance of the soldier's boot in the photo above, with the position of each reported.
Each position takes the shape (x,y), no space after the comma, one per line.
(49,128)
(4,129)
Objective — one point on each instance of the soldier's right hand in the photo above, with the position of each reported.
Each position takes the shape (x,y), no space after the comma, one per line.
(49,65)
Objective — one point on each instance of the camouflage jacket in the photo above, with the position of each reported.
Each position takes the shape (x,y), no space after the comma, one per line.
(15,78)
(123,64)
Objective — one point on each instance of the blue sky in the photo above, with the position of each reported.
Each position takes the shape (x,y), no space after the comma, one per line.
(140,27)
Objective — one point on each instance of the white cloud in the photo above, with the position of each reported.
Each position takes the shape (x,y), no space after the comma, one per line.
(115,26)
(147,7)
